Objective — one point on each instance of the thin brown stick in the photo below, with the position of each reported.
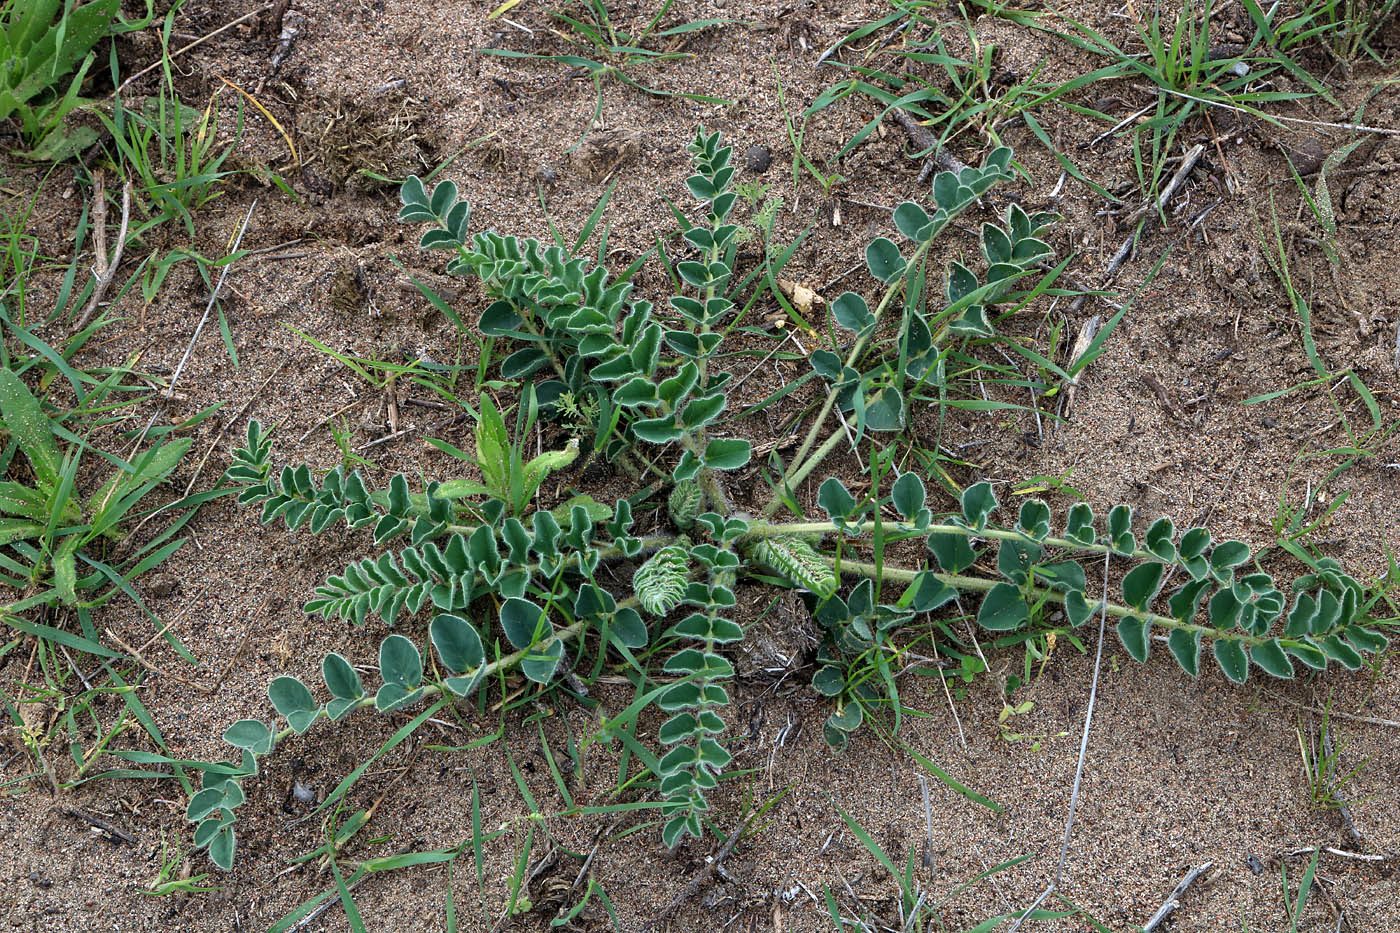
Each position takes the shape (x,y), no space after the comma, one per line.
(114,832)
(106,269)
(938,157)
(704,874)
(1173,899)
(1389,723)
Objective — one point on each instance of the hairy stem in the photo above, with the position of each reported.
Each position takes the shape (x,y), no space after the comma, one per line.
(802,466)
(771,529)
(964,583)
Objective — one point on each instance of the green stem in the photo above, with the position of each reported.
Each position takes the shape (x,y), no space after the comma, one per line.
(799,463)
(772,529)
(963,583)
(431,690)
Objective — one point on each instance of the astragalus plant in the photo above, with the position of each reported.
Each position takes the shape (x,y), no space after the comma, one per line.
(503,587)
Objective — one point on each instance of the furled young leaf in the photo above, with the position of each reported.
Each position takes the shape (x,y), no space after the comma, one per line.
(684,504)
(660,582)
(795,558)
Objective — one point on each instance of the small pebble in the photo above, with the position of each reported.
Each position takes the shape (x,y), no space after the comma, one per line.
(757,159)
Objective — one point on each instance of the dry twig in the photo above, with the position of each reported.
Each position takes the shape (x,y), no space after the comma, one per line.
(105,268)
(1173,899)
(704,875)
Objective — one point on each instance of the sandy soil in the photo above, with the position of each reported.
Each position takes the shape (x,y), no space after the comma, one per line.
(1179,772)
